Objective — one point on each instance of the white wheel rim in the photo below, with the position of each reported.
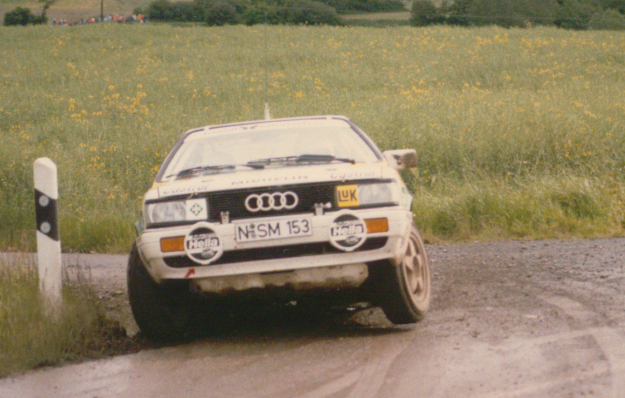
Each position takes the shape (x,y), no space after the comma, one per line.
(415,270)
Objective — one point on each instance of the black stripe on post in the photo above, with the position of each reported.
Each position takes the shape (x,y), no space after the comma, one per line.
(47,215)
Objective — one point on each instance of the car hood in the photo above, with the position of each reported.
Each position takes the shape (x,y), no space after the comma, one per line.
(270,177)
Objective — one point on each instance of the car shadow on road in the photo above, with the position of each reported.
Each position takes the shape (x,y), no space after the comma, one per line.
(283,321)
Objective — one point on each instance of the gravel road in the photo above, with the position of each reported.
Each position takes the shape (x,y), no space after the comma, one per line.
(508,319)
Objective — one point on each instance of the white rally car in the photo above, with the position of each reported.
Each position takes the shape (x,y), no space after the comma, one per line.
(297,206)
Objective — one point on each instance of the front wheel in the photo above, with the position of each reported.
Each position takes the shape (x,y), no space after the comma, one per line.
(405,290)
(162,312)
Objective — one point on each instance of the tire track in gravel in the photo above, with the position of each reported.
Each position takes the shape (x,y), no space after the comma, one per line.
(610,340)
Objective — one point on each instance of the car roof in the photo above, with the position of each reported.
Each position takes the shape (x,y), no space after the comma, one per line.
(325,120)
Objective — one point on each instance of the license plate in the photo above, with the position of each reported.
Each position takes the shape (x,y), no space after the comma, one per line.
(274,229)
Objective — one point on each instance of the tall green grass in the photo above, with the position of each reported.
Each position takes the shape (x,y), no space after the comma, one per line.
(512,127)
(546,207)
(30,338)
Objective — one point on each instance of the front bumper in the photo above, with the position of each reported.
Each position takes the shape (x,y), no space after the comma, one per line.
(279,262)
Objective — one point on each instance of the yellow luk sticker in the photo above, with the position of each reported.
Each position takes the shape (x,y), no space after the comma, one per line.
(347,195)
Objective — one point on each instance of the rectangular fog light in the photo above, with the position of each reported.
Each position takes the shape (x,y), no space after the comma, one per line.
(376,225)
(175,244)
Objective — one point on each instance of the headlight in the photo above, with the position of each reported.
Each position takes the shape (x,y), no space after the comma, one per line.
(165,212)
(372,194)
(367,194)
(176,211)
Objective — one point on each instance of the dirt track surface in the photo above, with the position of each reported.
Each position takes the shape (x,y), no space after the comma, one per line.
(508,319)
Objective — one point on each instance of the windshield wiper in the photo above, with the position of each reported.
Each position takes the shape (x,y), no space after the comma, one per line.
(306,158)
(189,172)
(311,158)
(261,163)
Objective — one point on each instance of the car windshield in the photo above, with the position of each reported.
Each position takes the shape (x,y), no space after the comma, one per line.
(237,148)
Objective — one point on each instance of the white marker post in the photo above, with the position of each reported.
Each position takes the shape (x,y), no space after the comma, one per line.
(48,237)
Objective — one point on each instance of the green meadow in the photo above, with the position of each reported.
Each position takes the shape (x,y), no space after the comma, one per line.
(520,133)
(32,335)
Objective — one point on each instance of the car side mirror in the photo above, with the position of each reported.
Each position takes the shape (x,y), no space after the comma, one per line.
(401,159)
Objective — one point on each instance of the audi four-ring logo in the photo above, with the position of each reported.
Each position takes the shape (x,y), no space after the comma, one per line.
(271,201)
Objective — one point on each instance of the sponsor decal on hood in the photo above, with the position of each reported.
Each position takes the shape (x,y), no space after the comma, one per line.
(271,177)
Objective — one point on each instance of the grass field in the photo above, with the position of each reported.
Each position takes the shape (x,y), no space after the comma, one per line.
(31,338)
(519,132)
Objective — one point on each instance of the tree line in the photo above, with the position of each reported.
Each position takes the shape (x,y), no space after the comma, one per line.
(250,12)
(567,14)
(24,16)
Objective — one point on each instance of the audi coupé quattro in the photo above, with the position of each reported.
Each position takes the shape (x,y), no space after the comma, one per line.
(296,207)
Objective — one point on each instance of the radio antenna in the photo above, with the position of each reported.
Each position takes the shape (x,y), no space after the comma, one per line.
(267,113)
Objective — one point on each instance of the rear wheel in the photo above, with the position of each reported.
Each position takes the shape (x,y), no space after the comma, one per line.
(162,312)
(404,291)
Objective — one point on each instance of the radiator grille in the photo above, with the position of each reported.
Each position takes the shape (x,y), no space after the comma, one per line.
(234,201)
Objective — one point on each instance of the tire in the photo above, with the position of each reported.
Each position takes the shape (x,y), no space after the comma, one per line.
(404,290)
(162,312)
